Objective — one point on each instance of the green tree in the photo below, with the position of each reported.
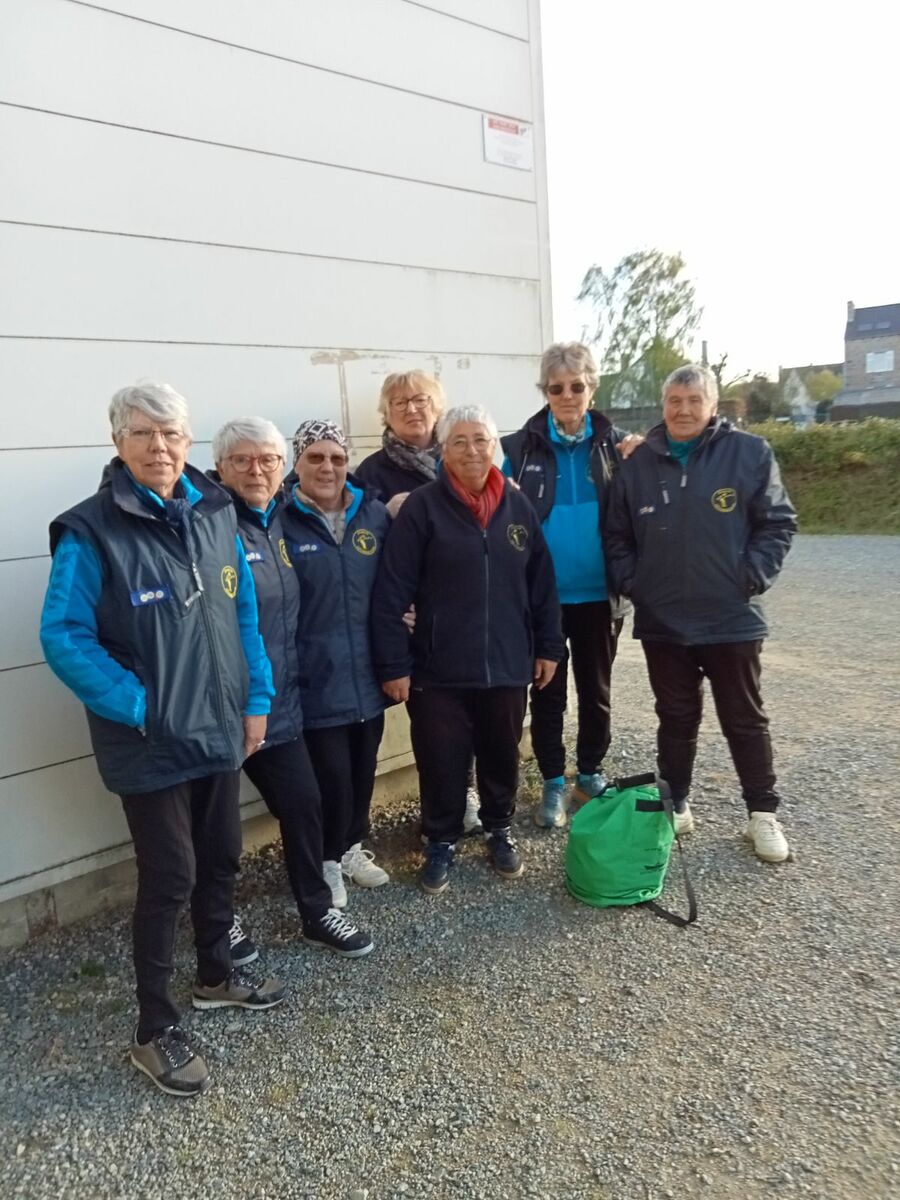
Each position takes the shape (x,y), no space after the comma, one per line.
(644,315)
(823,386)
(763,400)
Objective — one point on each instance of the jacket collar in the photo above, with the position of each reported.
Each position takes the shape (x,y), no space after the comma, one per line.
(656,438)
(204,495)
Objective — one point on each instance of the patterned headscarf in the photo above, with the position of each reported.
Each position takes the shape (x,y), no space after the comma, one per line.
(317,431)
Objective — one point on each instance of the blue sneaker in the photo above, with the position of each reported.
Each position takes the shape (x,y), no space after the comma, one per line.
(550,810)
(503,855)
(436,872)
(588,786)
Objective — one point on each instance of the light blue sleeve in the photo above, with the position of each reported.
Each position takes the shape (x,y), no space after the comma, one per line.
(262,687)
(69,637)
(506,468)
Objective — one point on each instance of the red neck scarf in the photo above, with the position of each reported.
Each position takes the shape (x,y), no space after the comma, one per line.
(482,505)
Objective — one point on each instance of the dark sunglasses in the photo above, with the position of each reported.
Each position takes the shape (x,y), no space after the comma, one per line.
(557,389)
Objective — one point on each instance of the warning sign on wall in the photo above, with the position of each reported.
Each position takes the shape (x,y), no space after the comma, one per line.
(507,143)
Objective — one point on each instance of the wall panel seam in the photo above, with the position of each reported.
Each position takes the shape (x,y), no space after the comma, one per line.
(315,162)
(440,12)
(180,241)
(206,37)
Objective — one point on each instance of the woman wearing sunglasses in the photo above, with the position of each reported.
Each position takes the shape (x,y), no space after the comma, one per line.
(564,458)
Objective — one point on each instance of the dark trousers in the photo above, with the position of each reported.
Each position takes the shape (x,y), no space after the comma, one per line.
(593,637)
(733,670)
(447,726)
(187,840)
(344,759)
(285,779)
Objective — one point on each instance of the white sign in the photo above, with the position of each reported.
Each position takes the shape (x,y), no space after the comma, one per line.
(507,143)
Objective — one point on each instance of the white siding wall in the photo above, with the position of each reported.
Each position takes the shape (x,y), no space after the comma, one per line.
(270,206)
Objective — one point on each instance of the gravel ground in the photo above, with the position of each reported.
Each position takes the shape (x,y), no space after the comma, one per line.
(505,1042)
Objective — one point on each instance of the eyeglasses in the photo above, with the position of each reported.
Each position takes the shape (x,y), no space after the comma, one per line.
(317,459)
(267,462)
(418,402)
(558,389)
(482,444)
(143,437)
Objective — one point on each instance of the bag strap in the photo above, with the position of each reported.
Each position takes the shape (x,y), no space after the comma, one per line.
(665,796)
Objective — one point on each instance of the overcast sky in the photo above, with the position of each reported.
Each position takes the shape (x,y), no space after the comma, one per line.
(761,141)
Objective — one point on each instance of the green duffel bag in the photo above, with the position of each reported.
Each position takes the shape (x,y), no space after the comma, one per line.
(619,847)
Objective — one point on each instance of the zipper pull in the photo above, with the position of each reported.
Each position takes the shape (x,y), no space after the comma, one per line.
(197,579)
(540,490)
(684,478)
(190,600)
(665,491)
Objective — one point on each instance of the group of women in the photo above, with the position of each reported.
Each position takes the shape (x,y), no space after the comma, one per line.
(429,577)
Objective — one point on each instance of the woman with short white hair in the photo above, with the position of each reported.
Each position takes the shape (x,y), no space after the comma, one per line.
(468,551)
(249,453)
(150,619)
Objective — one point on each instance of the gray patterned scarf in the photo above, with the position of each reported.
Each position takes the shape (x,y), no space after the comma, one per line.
(411,458)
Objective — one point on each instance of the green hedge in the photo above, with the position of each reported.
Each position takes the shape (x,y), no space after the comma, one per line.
(842,478)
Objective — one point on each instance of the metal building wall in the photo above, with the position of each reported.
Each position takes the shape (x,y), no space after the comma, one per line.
(268,205)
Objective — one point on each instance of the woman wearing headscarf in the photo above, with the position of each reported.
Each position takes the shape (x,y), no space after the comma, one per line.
(468,551)
(334,532)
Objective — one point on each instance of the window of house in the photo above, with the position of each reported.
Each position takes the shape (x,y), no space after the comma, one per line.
(882,361)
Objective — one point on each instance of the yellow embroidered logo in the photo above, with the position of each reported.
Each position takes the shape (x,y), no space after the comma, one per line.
(724,500)
(365,541)
(518,536)
(282,550)
(229,582)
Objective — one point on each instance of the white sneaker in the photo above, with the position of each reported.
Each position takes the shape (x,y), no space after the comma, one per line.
(684,821)
(767,836)
(331,870)
(359,866)
(471,820)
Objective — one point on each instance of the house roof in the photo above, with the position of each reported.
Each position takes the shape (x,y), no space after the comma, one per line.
(810,369)
(856,397)
(881,321)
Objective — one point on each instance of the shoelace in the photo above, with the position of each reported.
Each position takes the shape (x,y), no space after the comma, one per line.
(235,934)
(174,1047)
(337,924)
(354,859)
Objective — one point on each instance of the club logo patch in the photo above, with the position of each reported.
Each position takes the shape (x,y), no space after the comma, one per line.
(517,536)
(365,542)
(229,582)
(283,551)
(724,500)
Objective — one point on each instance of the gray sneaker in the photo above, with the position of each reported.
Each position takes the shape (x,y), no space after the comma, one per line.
(239,990)
(171,1062)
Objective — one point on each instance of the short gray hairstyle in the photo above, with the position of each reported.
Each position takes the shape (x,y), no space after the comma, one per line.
(158,401)
(692,375)
(465,412)
(568,356)
(257,430)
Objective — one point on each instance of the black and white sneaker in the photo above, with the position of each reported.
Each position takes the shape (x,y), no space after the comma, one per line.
(503,855)
(334,931)
(243,950)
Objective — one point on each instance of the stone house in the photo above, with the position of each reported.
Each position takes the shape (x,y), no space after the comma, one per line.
(871,364)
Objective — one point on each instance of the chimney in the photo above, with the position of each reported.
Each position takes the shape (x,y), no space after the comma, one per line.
(851,312)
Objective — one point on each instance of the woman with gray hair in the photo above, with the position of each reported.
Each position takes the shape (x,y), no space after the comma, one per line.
(150,619)
(564,458)
(249,453)
(468,551)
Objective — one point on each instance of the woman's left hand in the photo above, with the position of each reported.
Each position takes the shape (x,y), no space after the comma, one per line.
(629,444)
(254,734)
(409,618)
(544,670)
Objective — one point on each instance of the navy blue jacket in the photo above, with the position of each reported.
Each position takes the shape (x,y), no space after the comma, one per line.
(385,478)
(695,548)
(278,601)
(337,678)
(539,466)
(143,621)
(486,604)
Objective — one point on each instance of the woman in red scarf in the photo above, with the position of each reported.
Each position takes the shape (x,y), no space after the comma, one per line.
(468,551)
